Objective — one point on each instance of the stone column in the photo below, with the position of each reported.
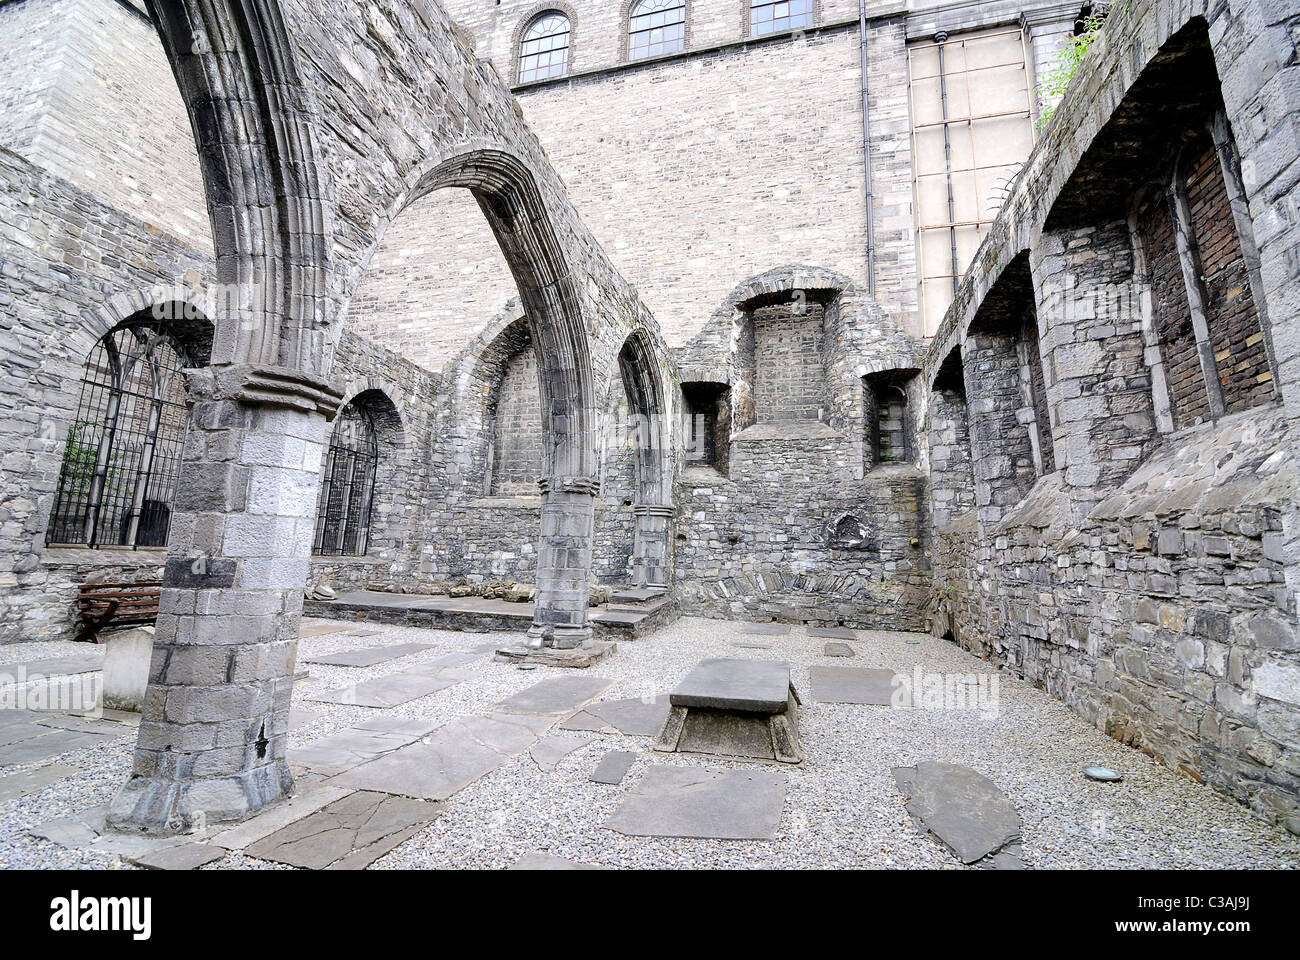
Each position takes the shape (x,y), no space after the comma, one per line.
(211,746)
(564,563)
(650,546)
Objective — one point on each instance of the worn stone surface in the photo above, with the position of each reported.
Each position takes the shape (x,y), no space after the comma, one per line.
(393,689)
(751,686)
(613,767)
(852,685)
(349,834)
(183,856)
(702,803)
(348,748)
(367,657)
(634,718)
(21,784)
(837,650)
(555,695)
(547,861)
(552,748)
(963,808)
(833,633)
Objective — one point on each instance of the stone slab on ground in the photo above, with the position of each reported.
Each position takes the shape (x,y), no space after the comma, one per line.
(768,629)
(86,830)
(367,657)
(752,686)
(357,745)
(580,658)
(832,633)
(304,802)
(852,685)
(48,745)
(393,689)
(309,629)
(548,861)
(613,767)
(960,806)
(30,781)
(702,803)
(633,718)
(751,646)
(52,667)
(555,695)
(554,747)
(349,834)
(837,650)
(183,856)
(299,718)
(449,759)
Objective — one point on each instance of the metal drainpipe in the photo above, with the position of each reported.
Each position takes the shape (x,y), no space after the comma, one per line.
(866,154)
(940,38)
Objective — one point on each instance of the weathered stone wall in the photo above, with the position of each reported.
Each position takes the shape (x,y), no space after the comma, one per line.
(71,269)
(1150,582)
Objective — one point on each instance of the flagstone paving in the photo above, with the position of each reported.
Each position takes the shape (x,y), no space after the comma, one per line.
(547,770)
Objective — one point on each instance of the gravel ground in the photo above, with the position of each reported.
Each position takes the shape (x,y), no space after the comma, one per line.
(842,808)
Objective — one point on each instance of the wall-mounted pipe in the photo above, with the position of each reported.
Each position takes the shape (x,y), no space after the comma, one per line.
(866,154)
(941,38)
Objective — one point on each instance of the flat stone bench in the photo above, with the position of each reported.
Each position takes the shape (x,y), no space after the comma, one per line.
(734,708)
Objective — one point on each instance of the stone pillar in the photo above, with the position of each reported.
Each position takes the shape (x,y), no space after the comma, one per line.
(211,746)
(650,546)
(999,438)
(564,563)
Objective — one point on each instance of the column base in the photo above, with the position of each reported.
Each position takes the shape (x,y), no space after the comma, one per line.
(162,806)
(580,657)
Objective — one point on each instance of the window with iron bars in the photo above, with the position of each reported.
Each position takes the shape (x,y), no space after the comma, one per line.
(122,456)
(348,487)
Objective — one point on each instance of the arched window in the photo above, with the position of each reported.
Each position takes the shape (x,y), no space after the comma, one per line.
(544,47)
(348,487)
(123,452)
(656,27)
(775,16)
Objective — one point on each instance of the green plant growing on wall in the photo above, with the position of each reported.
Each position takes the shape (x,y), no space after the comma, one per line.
(1057,78)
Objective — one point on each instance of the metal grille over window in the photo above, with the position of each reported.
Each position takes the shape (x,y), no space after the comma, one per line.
(348,488)
(544,50)
(776,17)
(972,128)
(123,452)
(656,27)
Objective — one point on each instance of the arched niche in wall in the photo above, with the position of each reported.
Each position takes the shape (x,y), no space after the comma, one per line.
(781,341)
(706,431)
(889,417)
(650,436)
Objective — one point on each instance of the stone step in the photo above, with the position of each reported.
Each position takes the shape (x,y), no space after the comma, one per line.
(637,594)
(649,606)
(619,618)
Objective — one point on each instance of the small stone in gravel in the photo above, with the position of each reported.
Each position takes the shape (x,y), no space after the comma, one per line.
(702,803)
(613,767)
(184,856)
(837,650)
(1103,774)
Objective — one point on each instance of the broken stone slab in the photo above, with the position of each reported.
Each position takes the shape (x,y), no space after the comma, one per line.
(702,803)
(853,685)
(301,804)
(832,633)
(613,767)
(960,806)
(633,718)
(367,657)
(734,708)
(349,834)
(580,658)
(837,650)
(548,861)
(31,781)
(552,748)
(555,695)
(449,759)
(183,856)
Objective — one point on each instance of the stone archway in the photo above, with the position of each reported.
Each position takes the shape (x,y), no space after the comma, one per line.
(653,508)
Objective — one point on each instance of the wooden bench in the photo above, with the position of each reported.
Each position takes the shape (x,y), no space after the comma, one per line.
(121,604)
